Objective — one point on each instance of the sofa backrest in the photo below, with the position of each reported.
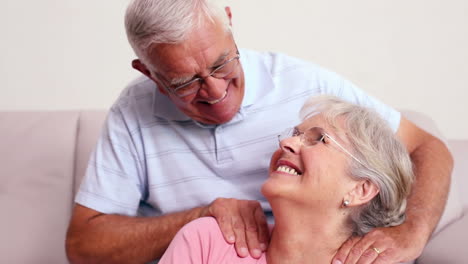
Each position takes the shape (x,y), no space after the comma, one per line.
(37,156)
(43,157)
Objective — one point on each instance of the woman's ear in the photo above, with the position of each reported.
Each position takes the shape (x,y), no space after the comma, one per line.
(362,193)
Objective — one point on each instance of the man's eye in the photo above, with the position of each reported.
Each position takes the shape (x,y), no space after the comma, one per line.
(217,66)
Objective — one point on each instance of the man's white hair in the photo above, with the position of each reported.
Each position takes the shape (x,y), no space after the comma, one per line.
(149,22)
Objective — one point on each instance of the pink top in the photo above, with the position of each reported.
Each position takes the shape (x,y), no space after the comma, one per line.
(201,242)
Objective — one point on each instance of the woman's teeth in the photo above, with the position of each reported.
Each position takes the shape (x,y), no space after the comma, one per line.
(287,169)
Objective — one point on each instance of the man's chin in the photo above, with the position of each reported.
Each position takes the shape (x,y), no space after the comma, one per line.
(217,120)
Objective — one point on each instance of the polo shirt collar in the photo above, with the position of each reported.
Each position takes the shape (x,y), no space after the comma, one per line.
(258,82)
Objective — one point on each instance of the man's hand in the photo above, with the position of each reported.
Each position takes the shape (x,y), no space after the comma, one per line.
(395,244)
(242,222)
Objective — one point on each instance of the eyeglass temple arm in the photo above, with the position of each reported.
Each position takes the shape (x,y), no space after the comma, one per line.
(343,149)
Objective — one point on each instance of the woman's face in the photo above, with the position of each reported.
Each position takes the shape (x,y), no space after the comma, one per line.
(314,175)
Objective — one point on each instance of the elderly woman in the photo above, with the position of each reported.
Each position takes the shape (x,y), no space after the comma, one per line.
(341,172)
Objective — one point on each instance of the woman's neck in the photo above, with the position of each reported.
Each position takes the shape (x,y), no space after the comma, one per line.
(313,237)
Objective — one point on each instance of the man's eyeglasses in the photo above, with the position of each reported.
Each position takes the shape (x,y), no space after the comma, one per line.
(191,87)
(313,136)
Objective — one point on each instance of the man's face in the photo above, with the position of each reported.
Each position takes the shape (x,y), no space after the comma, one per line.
(217,100)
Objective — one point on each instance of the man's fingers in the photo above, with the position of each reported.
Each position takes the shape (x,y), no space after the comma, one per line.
(251,227)
(225,225)
(358,250)
(243,223)
(368,256)
(262,226)
(387,256)
(239,231)
(222,210)
(343,251)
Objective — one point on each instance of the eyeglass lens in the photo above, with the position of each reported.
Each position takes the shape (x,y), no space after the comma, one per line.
(219,73)
(310,137)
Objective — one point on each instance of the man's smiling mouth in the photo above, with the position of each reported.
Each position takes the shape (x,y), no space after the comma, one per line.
(217,100)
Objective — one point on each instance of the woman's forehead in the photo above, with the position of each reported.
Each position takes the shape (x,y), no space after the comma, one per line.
(337,129)
(317,120)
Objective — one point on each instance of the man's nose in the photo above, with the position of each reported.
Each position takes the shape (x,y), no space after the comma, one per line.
(212,88)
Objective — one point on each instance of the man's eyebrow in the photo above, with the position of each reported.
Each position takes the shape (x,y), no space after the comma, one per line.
(221,59)
(181,80)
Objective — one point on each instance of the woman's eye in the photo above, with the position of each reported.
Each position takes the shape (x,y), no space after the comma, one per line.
(323,139)
(295,132)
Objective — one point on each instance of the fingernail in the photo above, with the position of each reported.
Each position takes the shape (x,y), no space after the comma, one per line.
(243,252)
(337,262)
(232,239)
(263,246)
(256,253)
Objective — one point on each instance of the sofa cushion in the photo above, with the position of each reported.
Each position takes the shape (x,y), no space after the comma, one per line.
(448,247)
(37,156)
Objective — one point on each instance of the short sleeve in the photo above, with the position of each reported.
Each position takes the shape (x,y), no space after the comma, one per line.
(333,84)
(114,180)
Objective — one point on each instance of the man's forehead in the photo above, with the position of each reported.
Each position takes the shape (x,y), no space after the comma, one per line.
(202,47)
(175,60)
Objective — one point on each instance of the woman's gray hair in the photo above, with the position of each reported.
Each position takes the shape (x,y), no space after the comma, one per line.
(386,160)
(149,22)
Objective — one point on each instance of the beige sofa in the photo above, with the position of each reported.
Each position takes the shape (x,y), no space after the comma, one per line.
(43,156)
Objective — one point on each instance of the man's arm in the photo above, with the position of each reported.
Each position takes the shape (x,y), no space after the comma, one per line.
(94,237)
(433,166)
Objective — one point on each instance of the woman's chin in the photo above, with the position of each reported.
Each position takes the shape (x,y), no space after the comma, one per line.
(278,186)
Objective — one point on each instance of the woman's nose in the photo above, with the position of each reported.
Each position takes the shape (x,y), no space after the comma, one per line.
(291,144)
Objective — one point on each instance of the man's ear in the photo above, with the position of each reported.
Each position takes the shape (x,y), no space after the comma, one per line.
(362,193)
(139,66)
(229,14)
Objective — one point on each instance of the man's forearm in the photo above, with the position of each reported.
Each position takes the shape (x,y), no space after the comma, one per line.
(122,239)
(433,166)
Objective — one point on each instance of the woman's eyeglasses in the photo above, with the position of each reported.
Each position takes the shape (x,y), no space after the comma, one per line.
(313,136)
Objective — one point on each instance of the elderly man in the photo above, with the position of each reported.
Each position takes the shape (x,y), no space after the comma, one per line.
(194,135)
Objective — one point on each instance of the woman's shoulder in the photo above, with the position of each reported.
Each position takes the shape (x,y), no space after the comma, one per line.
(204,227)
(196,242)
(205,231)
(202,222)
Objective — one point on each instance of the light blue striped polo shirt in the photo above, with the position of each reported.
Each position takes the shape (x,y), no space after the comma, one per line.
(152,159)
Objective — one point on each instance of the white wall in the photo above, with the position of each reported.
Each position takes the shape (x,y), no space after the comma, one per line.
(68,54)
